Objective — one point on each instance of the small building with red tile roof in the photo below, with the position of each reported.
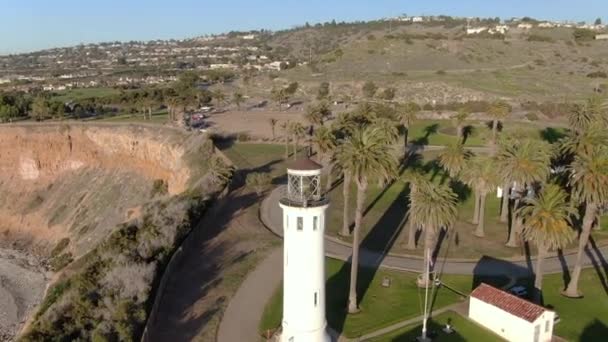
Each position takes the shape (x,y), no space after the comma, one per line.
(513,318)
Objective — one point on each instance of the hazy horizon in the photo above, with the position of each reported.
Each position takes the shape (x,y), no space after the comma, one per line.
(34,25)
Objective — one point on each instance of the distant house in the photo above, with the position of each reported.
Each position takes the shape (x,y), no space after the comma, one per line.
(417,19)
(546,25)
(513,318)
(603,36)
(524,26)
(476,30)
(502,29)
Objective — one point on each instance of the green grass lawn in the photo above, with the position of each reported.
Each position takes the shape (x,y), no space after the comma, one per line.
(380,306)
(83,93)
(464,330)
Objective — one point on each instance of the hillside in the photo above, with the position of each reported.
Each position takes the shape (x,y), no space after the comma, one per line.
(69,192)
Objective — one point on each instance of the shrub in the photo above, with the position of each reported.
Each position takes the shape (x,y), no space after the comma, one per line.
(597,74)
(159,187)
(441,72)
(539,38)
(258,181)
(61,245)
(581,35)
(532,116)
(59,262)
(369,89)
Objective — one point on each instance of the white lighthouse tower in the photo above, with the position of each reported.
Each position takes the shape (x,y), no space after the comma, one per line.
(304,207)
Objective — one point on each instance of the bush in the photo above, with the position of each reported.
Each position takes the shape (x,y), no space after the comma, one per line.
(258,182)
(539,38)
(597,74)
(581,35)
(441,72)
(369,89)
(59,262)
(61,245)
(159,187)
(532,116)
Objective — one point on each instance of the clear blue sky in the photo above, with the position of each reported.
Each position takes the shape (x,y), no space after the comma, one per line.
(27,25)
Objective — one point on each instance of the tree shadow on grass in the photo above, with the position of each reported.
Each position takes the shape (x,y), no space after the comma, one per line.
(551,135)
(381,238)
(428,131)
(467,131)
(598,262)
(595,331)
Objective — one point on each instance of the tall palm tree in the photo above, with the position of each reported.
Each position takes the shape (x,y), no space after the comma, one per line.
(583,115)
(499,110)
(298,131)
(482,176)
(219,171)
(589,182)
(459,119)
(407,116)
(417,181)
(433,208)
(367,157)
(325,143)
(453,158)
(547,221)
(273,125)
(522,163)
(285,126)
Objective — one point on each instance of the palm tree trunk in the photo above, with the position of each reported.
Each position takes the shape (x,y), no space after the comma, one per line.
(459,132)
(328,185)
(479,232)
(346,195)
(494,131)
(538,272)
(428,241)
(295,146)
(476,211)
(590,212)
(515,222)
(354,266)
(504,208)
(286,147)
(411,236)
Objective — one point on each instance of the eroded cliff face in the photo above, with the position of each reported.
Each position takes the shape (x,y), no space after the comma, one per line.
(79,181)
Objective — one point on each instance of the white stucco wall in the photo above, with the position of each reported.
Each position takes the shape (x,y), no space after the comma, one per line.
(304,275)
(508,326)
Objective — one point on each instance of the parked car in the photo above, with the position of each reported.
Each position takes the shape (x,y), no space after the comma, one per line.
(519,291)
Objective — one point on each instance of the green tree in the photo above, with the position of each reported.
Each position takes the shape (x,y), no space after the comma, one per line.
(41,108)
(481,175)
(459,120)
(297,131)
(258,181)
(219,171)
(406,114)
(317,114)
(369,89)
(433,208)
(324,141)
(273,125)
(237,98)
(323,92)
(547,221)
(367,157)
(453,158)
(598,22)
(417,181)
(498,111)
(522,163)
(589,183)
(285,127)
(279,96)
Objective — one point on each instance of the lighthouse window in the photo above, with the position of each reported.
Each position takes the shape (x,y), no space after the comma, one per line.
(316,294)
(300,223)
(314,222)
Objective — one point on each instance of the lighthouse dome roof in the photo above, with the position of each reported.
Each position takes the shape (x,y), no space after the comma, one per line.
(304,164)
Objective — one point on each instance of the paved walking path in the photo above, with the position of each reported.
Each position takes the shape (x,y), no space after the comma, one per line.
(242,316)
(272,217)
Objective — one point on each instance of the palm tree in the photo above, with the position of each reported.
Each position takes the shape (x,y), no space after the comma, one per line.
(582,116)
(237,98)
(547,221)
(459,119)
(367,157)
(325,143)
(433,208)
(318,113)
(589,182)
(499,110)
(219,171)
(285,126)
(273,125)
(297,131)
(407,115)
(522,163)
(482,176)
(417,180)
(453,158)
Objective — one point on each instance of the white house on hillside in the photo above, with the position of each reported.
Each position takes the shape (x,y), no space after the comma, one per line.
(524,26)
(476,30)
(513,318)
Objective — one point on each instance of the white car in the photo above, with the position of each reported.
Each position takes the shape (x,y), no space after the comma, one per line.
(519,291)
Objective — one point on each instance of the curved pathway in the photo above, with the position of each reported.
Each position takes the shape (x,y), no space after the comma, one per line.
(272,218)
